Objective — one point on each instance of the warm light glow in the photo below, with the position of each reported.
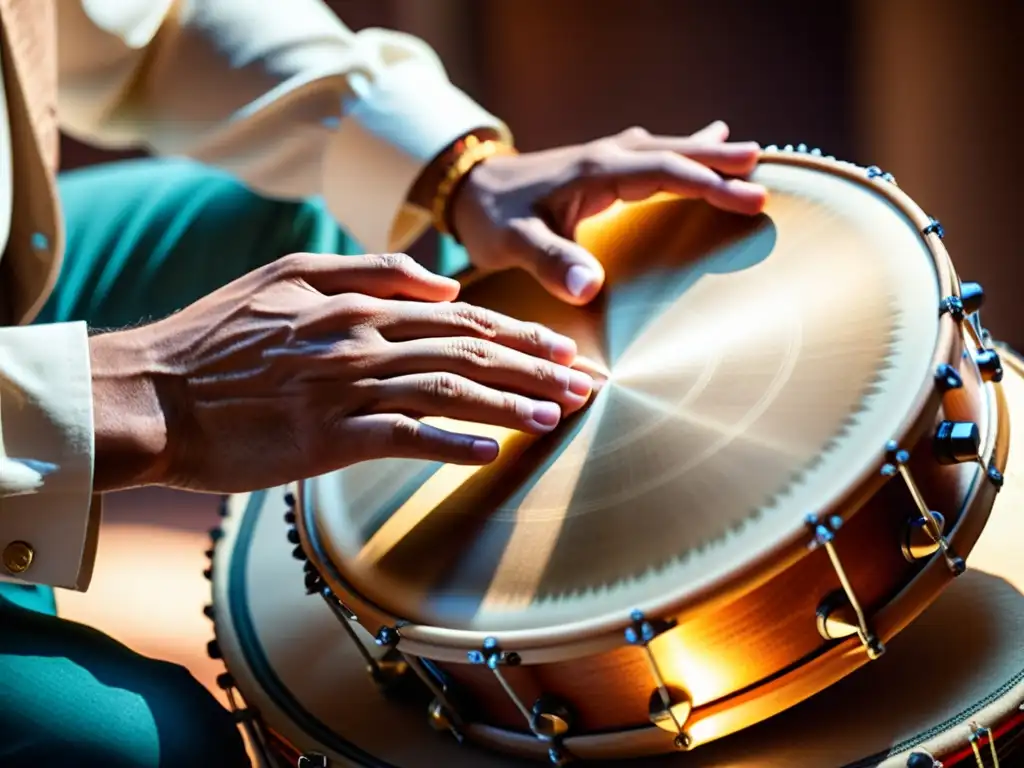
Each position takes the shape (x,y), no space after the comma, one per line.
(440,486)
(529,549)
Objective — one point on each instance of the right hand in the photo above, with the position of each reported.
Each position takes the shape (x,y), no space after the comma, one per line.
(313,363)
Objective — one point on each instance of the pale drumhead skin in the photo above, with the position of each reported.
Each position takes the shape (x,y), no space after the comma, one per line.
(791,352)
(961,661)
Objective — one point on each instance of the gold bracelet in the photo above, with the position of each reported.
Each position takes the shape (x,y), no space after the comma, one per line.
(470,152)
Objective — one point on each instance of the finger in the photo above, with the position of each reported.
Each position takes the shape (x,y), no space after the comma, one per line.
(404,320)
(388,275)
(394,436)
(716,131)
(488,363)
(640,175)
(565,268)
(456,397)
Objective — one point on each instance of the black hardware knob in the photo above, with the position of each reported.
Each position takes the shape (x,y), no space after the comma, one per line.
(990,365)
(972,296)
(213,650)
(957,442)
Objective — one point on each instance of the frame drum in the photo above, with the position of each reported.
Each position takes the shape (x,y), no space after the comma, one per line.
(667,567)
(948,691)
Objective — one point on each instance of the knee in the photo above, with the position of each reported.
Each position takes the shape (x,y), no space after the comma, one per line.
(192,728)
(158,716)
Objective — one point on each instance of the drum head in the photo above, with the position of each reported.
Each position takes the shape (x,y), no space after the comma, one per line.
(786,348)
(961,661)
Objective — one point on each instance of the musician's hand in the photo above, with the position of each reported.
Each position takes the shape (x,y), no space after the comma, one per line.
(522,211)
(316,362)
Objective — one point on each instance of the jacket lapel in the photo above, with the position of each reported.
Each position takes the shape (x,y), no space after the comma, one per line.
(31,261)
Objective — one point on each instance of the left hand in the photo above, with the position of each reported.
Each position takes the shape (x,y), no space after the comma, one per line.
(522,210)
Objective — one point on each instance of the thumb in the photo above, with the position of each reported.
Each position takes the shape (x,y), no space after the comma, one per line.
(566,269)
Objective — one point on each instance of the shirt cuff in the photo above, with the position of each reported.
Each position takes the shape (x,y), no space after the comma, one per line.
(391,131)
(46,456)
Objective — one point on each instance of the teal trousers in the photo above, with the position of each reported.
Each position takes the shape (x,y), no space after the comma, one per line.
(145,238)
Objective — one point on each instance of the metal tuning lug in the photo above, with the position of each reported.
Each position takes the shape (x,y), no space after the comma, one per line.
(922,760)
(896,464)
(874,172)
(919,543)
(990,365)
(947,378)
(978,735)
(840,614)
(669,708)
(444,713)
(545,719)
(957,442)
(390,672)
(934,227)
(551,720)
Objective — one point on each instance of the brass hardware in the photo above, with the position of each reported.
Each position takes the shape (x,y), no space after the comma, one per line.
(919,543)
(438,716)
(897,465)
(543,722)
(550,719)
(836,618)
(979,732)
(18,557)
(824,536)
(669,709)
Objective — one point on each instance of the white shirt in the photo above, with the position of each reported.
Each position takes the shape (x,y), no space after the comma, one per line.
(278,92)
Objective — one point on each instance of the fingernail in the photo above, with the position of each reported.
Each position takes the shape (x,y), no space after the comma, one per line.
(484,450)
(546,415)
(580,384)
(580,280)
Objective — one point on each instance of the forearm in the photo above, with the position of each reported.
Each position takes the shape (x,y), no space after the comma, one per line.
(280,93)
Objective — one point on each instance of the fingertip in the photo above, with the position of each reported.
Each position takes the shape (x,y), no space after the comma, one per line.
(744,196)
(583,283)
(483,450)
(450,286)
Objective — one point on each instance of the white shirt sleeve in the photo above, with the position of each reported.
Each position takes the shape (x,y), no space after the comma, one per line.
(278,92)
(46,455)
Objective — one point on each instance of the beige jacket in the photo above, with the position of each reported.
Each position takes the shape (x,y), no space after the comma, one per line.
(279,92)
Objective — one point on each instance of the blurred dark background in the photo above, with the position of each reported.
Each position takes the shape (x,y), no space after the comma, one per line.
(927,89)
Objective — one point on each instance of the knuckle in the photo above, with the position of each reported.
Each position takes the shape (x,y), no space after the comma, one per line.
(405,431)
(515,405)
(292,266)
(394,262)
(356,308)
(476,351)
(633,135)
(593,163)
(480,321)
(533,334)
(545,373)
(445,386)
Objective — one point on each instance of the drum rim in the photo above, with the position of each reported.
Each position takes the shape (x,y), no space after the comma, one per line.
(790,546)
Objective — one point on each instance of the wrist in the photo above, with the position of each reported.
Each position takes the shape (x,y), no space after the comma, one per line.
(129,420)
(424,191)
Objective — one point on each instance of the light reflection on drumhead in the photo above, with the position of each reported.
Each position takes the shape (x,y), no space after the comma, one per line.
(754,367)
